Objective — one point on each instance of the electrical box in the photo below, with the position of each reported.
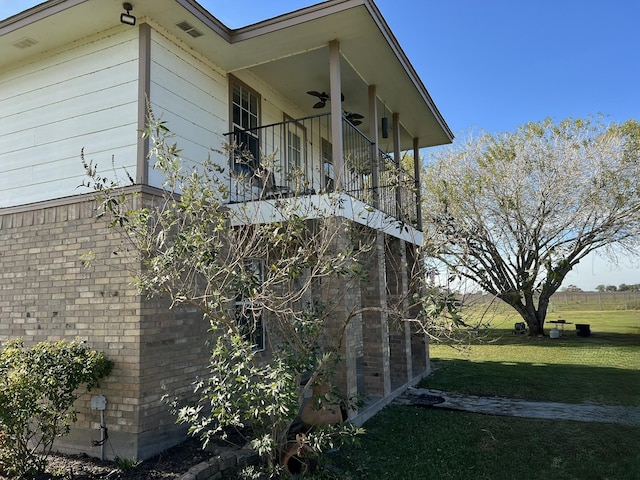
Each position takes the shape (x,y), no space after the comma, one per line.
(99,402)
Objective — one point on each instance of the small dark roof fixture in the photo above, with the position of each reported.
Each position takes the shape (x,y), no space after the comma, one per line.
(126,18)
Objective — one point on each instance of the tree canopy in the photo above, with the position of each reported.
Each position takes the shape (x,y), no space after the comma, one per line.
(515,212)
(276,281)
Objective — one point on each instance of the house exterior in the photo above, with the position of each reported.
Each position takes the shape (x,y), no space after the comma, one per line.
(73,77)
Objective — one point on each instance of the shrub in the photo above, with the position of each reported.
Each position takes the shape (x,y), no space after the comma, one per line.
(38,387)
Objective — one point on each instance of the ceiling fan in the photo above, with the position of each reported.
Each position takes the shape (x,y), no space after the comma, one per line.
(323,98)
(354,118)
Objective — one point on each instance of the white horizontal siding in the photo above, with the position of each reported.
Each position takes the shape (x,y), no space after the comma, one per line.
(191,96)
(84,96)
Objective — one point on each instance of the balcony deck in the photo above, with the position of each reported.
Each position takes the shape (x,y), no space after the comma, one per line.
(294,158)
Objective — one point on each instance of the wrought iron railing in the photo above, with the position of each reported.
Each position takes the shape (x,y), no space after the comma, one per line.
(294,158)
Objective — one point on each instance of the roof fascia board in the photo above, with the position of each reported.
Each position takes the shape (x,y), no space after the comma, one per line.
(406,64)
(297,17)
(53,7)
(35,14)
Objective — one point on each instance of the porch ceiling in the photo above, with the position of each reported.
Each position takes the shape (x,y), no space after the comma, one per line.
(289,52)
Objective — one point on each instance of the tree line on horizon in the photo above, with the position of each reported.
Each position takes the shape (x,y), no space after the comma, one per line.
(623,287)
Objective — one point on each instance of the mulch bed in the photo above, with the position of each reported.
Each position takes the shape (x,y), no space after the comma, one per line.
(168,465)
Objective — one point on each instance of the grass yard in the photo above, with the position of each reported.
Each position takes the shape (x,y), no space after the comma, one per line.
(603,368)
(410,443)
(405,442)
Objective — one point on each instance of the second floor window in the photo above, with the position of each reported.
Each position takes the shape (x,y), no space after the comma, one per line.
(245,113)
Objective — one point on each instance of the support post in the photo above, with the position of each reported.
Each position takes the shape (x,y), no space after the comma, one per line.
(396,158)
(336,113)
(373,136)
(416,176)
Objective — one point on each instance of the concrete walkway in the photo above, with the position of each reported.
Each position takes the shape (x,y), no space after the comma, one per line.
(582,412)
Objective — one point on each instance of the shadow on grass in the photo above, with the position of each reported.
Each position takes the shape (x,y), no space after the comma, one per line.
(537,381)
(409,443)
(568,338)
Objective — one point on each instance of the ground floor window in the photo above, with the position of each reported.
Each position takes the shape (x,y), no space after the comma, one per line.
(249,313)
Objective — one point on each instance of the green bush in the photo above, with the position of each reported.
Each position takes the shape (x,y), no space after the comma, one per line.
(38,387)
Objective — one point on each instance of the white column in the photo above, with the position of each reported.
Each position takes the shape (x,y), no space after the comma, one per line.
(418,186)
(373,136)
(336,112)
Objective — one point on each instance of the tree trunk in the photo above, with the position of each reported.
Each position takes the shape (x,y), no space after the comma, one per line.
(534,317)
(536,327)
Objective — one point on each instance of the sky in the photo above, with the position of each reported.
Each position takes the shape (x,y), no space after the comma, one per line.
(493,65)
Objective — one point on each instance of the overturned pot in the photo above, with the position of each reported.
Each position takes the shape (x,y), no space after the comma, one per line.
(298,457)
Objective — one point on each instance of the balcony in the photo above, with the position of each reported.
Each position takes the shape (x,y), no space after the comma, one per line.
(294,158)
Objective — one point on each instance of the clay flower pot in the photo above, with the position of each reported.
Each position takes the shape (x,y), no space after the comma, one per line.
(329,412)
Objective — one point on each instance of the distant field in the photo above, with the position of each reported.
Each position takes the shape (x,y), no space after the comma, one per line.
(603,368)
(568,301)
(564,301)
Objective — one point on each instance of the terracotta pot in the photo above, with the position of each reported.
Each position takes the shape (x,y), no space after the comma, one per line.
(327,414)
(297,457)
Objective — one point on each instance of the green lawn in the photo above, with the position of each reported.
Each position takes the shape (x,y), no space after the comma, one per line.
(603,368)
(412,443)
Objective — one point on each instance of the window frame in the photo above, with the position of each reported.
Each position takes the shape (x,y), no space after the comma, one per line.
(247,137)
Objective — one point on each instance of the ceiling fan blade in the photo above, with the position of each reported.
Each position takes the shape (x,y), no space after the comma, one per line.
(320,104)
(321,95)
(353,117)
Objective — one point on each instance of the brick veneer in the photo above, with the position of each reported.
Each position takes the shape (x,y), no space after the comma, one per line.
(46,293)
(376,321)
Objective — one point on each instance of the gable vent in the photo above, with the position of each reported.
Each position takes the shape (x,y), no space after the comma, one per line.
(190,29)
(25,43)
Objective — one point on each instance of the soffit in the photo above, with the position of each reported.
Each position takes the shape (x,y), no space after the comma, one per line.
(289,52)
(59,23)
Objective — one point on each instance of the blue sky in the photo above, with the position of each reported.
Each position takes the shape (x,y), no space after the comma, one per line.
(496,64)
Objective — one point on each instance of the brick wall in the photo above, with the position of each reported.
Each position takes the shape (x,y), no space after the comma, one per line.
(399,340)
(342,296)
(419,339)
(375,321)
(46,293)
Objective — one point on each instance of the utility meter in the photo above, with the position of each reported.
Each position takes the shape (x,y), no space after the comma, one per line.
(99,402)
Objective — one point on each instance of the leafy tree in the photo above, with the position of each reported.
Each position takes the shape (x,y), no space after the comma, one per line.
(572,289)
(38,387)
(288,266)
(601,288)
(516,212)
(611,288)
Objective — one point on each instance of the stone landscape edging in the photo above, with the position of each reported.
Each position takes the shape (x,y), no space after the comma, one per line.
(221,465)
